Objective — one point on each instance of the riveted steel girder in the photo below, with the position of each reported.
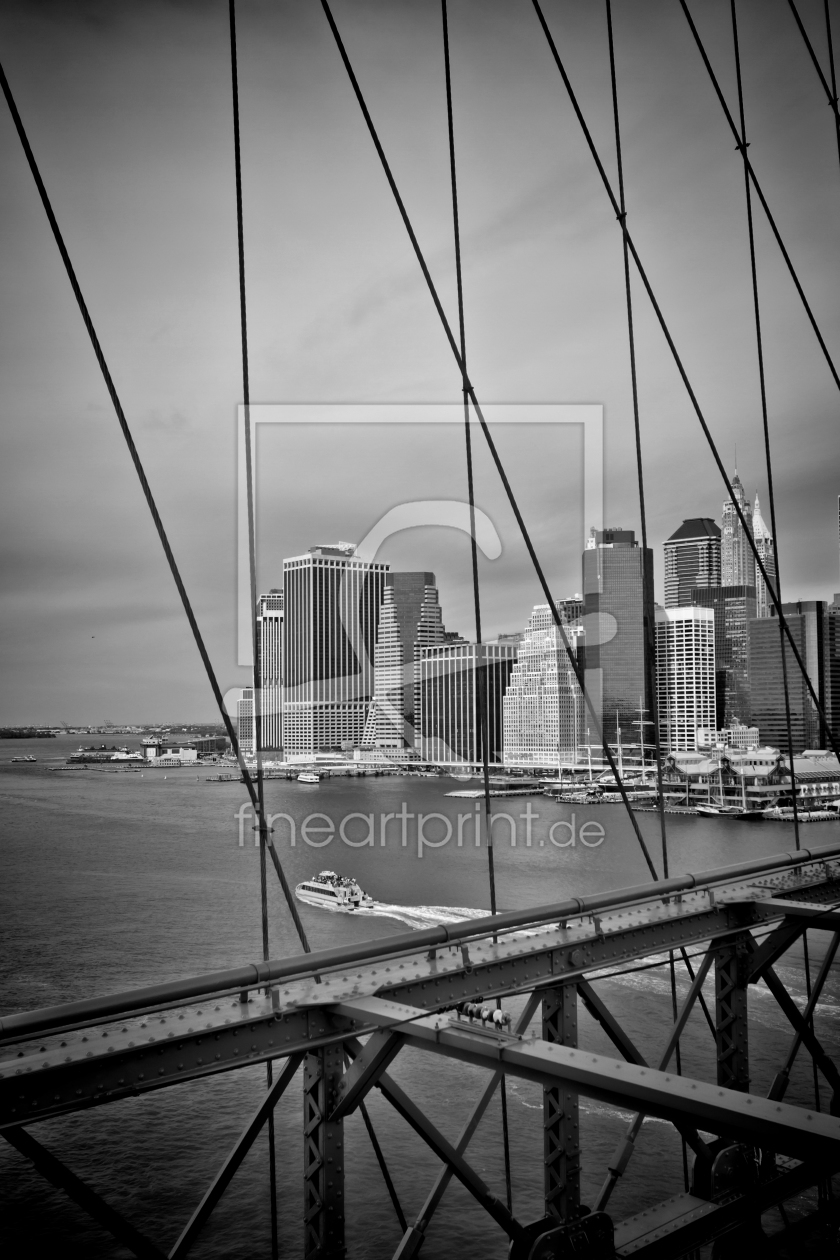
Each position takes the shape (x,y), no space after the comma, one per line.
(730,1113)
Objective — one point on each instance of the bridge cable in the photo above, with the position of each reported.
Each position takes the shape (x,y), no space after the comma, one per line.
(835,743)
(576,668)
(769,466)
(707,63)
(481,664)
(830,43)
(255,635)
(649,617)
(831,92)
(126,432)
(144,482)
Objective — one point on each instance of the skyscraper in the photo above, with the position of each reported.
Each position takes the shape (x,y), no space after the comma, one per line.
(815,633)
(245,722)
(766,549)
(332,603)
(685,675)
(733,608)
(448,722)
(270,648)
(737,566)
(692,559)
(614,567)
(410,618)
(544,722)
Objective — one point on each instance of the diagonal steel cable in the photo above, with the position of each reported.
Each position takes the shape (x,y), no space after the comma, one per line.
(647,576)
(770,219)
(482,666)
(578,671)
(143,479)
(684,377)
(252,565)
(831,92)
(743,145)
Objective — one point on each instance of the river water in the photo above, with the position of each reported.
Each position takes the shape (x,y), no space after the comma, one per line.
(110,881)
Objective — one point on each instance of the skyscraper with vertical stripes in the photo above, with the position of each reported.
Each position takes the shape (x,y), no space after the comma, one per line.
(331,608)
(270,648)
(410,619)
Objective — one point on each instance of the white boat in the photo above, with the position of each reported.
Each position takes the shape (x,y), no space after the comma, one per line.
(308,776)
(333,892)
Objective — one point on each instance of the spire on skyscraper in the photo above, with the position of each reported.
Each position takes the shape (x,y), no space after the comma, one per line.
(766,549)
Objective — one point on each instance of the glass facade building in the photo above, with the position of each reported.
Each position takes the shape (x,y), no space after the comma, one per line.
(692,559)
(448,725)
(332,602)
(410,619)
(815,632)
(617,678)
(733,608)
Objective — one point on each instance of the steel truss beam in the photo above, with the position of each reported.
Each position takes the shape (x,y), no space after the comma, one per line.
(59,1175)
(93,1066)
(744,1118)
(226,1173)
(779,876)
(413,1238)
(732,971)
(65,1072)
(561,1110)
(323,1156)
(433,1138)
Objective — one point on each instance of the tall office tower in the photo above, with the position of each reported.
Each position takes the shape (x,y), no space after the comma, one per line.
(409,620)
(331,602)
(614,648)
(270,648)
(543,707)
(733,608)
(685,675)
(766,549)
(245,722)
(447,714)
(817,637)
(692,559)
(737,566)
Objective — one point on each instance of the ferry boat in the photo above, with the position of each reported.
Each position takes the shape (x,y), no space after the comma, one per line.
(30,758)
(308,776)
(333,892)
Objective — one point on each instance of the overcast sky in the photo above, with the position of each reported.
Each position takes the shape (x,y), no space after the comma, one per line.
(128,109)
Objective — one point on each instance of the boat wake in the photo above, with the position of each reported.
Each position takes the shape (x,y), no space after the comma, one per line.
(421,916)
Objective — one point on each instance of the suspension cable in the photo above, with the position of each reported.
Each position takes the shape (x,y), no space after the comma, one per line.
(481,663)
(831,92)
(649,619)
(144,482)
(771,493)
(707,63)
(763,393)
(685,380)
(830,44)
(252,563)
(577,669)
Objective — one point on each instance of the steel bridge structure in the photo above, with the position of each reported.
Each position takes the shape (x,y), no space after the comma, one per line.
(346,1013)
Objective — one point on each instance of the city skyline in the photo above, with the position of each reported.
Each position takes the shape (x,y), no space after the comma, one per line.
(92,625)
